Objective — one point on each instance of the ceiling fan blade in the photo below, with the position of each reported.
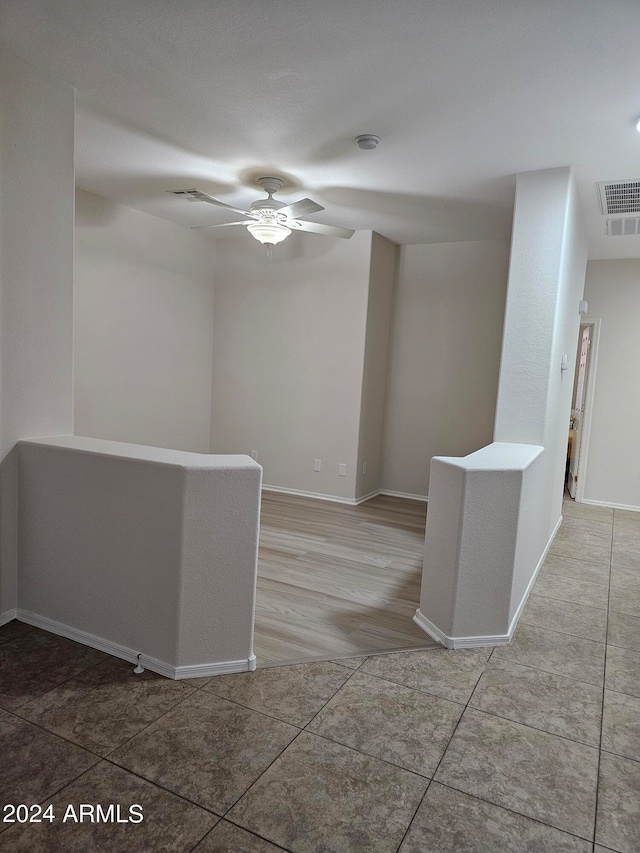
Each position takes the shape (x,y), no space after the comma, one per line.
(222,224)
(197,195)
(317,228)
(300,208)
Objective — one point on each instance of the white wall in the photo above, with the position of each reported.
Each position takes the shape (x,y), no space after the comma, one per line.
(140,550)
(473,546)
(288,356)
(383,274)
(565,342)
(612,472)
(546,281)
(36,274)
(445,354)
(143,321)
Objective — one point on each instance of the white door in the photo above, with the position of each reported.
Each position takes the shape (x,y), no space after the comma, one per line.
(577,412)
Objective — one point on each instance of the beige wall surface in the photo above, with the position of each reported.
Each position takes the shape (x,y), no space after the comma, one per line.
(612,473)
(384,263)
(36,276)
(143,317)
(288,357)
(444,359)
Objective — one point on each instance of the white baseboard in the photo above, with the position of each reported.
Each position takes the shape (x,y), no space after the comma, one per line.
(318,496)
(458,642)
(119,651)
(628,507)
(200,670)
(406,495)
(368,497)
(8,615)
(523,600)
(488,640)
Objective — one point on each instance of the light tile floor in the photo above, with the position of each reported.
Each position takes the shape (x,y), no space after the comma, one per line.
(531,747)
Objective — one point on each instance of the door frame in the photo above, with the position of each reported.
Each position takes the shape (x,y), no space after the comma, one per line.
(589,388)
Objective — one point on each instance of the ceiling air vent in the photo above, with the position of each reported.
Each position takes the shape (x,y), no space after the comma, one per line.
(627,227)
(619,197)
(192,195)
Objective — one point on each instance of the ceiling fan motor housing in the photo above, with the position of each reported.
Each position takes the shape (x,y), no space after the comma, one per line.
(263,205)
(271,185)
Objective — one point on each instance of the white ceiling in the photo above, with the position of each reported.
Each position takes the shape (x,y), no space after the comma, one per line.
(464,94)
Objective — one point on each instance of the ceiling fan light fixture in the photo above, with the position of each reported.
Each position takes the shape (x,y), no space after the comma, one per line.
(274,220)
(268,233)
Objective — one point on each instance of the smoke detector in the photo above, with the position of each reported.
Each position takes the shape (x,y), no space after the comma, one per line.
(367,141)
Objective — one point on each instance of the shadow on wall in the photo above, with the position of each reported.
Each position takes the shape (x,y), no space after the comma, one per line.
(96,212)
(435,218)
(299,249)
(9,530)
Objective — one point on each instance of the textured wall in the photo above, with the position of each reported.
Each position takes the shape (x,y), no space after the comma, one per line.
(612,472)
(444,359)
(288,355)
(384,263)
(36,275)
(546,282)
(151,550)
(472,552)
(143,324)
(503,502)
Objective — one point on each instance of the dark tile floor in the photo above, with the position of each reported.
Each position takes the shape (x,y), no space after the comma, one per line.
(530,747)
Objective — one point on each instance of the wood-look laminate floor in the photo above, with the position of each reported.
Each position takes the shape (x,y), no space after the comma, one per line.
(337,580)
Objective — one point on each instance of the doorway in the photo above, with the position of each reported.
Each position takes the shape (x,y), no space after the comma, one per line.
(581,408)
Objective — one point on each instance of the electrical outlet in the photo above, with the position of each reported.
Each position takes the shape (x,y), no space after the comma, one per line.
(254,455)
(317,465)
(342,470)
(364,467)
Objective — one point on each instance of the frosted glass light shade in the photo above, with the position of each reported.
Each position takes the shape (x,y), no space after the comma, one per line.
(269,233)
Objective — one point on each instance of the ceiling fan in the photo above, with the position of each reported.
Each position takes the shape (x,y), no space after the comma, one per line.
(270,221)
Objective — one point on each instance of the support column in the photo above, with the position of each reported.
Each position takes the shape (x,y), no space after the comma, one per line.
(493,515)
